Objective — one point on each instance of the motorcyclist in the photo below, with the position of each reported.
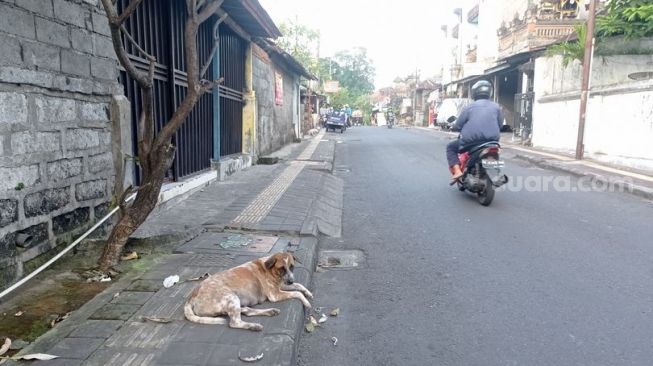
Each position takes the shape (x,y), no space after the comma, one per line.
(391,116)
(348,111)
(479,122)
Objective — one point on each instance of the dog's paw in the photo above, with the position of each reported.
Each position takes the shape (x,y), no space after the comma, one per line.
(308,305)
(275,311)
(308,294)
(255,327)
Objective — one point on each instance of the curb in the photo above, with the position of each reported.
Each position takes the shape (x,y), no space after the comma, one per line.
(628,187)
(308,257)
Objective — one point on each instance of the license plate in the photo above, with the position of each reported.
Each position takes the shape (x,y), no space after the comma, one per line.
(492,164)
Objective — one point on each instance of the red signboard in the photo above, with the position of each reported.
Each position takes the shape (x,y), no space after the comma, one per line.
(278,88)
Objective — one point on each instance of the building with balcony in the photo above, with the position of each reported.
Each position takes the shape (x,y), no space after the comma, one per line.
(510,34)
(542,25)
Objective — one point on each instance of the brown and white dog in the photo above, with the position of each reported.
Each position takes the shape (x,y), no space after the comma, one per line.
(313,132)
(233,291)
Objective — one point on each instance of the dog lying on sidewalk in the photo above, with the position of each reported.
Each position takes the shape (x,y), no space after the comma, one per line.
(231,292)
(313,132)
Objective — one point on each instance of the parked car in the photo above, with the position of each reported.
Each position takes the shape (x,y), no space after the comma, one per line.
(449,107)
(338,121)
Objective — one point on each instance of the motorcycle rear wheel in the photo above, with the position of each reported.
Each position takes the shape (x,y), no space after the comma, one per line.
(486,196)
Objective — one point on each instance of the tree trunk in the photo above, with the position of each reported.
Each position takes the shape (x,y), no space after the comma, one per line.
(155,153)
(146,200)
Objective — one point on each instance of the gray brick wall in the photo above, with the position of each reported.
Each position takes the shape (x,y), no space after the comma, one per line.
(274,127)
(58,72)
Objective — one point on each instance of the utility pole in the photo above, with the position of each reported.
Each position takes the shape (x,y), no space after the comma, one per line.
(587,68)
(296,30)
(415,96)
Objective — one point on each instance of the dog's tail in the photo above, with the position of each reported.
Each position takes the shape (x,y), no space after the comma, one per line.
(190,315)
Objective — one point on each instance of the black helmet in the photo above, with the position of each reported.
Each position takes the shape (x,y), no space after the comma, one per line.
(482,89)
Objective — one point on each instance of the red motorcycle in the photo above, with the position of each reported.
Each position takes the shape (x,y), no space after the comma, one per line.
(481,166)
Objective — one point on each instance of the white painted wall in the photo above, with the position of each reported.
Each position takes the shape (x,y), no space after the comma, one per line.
(619,120)
(551,78)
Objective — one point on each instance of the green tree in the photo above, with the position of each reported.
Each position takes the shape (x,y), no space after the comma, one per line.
(630,18)
(571,50)
(352,68)
(355,71)
(301,42)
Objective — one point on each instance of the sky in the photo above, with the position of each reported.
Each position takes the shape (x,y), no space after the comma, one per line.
(400,36)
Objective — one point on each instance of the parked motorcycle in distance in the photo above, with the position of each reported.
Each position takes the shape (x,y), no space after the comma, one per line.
(481,166)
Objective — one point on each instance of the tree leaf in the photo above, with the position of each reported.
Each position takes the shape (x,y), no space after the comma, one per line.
(313,321)
(157,320)
(200,278)
(250,358)
(36,356)
(310,328)
(129,256)
(5,346)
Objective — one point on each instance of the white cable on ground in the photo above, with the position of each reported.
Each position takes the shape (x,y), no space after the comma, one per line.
(61,254)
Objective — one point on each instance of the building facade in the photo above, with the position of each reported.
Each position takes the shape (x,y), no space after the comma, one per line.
(510,34)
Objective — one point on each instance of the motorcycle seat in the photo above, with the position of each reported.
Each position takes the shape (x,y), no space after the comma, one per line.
(474,148)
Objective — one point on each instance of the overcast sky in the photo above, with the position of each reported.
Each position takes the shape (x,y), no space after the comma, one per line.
(400,36)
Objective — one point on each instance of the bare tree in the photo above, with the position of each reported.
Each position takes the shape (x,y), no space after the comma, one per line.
(155,153)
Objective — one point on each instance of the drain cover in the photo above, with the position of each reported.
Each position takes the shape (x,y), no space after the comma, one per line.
(340,258)
(251,243)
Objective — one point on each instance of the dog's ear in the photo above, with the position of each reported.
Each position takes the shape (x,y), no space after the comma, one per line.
(270,262)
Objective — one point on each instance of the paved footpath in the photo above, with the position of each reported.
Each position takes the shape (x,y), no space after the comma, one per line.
(265,209)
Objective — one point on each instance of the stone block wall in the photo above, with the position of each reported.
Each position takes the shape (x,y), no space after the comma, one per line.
(58,72)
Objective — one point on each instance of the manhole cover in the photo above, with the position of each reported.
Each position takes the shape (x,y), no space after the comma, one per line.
(209,260)
(340,258)
(250,243)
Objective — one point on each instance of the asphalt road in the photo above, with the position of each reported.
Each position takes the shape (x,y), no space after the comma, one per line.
(538,278)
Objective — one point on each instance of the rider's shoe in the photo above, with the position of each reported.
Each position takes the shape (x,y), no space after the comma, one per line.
(456,172)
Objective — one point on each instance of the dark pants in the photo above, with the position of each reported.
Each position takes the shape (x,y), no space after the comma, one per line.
(456,147)
(452,152)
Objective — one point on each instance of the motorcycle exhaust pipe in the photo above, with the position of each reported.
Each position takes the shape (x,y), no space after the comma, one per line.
(500,181)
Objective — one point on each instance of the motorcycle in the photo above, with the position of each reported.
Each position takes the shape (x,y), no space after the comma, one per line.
(391,120)
(481,166)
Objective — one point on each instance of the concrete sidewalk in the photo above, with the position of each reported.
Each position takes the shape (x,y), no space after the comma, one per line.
(639,183)
(635,183)
(265,209)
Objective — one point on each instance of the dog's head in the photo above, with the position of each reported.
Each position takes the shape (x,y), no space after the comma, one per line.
(282,265)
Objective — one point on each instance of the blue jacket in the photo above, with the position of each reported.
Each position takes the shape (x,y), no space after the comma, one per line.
(480,121)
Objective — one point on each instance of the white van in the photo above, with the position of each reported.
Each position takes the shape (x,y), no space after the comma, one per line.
(449,107)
